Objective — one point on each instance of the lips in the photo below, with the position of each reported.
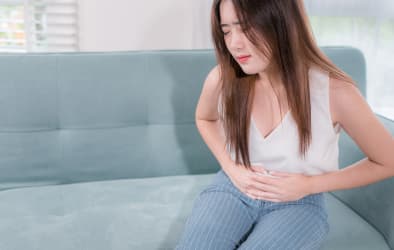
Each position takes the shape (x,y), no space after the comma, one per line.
(243,58)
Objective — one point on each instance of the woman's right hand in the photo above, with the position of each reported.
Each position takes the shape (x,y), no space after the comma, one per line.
(245,180)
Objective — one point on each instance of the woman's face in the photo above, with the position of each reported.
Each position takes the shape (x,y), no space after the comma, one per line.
(250,59)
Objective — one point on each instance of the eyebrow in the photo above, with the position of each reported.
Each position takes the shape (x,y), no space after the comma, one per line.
(222,25)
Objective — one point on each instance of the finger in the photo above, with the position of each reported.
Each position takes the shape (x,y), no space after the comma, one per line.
(264,187)
(263,195)
(250,195)
(253,194)
(265,179)
(265,198)
(257,169)
(268,195)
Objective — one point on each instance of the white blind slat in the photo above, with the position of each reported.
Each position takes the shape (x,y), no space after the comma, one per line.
(20,21)
(15,41)
(45,25)
(12,30)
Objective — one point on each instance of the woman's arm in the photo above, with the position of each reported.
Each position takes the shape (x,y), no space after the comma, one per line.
(207,119)
(361,124)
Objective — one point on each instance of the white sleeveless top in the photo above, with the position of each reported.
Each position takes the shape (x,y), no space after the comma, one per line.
(280,149)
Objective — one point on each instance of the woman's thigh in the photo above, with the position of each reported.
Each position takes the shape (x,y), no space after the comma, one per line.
(292,226)
(219,220)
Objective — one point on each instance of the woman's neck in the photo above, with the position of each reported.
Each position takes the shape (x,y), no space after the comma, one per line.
(269,81)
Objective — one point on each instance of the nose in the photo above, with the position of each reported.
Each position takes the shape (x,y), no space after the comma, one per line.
(236,40)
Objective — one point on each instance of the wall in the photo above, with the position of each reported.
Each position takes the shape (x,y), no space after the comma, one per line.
(149,24)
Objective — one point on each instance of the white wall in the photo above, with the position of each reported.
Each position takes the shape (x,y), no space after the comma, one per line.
(144,25)
(118,25)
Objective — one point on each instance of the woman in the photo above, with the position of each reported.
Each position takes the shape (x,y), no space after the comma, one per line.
(271,112)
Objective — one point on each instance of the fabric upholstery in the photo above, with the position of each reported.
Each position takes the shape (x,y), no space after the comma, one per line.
(100,151)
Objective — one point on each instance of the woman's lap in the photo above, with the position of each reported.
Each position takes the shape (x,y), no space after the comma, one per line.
(291,227)
(219,220)
(224,218)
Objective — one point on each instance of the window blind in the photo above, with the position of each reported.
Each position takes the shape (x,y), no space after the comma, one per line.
(39,25)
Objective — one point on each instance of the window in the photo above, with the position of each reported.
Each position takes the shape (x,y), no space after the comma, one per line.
(12,28)
(38,25)
(368,26)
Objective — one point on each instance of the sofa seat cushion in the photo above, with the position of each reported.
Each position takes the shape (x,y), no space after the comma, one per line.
(146,213)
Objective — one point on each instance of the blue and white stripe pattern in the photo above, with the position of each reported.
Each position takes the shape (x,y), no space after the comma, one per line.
(223,218)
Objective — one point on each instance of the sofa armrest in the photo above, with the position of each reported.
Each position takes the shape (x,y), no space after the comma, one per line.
(374,202)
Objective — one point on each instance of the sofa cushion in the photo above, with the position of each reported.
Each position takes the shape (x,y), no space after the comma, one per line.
(145,213)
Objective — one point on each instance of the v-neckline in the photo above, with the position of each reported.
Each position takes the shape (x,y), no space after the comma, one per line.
(273,131)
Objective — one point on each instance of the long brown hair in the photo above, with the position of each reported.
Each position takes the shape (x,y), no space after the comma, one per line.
(288,39)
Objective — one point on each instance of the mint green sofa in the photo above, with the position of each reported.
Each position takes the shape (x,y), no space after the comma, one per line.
(99,151)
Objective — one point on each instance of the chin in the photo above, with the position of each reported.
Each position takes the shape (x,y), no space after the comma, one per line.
(250,71)
(254,69)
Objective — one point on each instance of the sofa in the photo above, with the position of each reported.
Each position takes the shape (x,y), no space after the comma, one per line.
(100,151)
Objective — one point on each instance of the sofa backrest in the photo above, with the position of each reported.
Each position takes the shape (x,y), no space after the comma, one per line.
(77,117)
(74,117)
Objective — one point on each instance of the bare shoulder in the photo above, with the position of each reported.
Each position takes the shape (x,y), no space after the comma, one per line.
(213,77)
(343,93)
(359,121)
(207,106)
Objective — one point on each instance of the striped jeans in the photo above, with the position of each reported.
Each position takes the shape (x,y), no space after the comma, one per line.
(224,218)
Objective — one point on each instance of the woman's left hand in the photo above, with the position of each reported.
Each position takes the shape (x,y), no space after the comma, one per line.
(281,186)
